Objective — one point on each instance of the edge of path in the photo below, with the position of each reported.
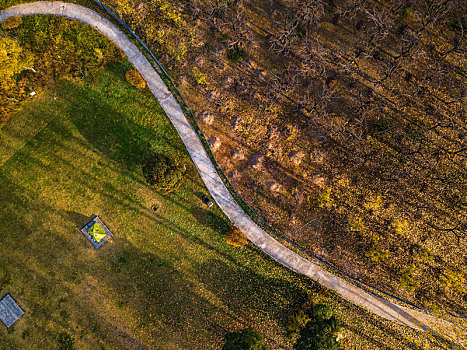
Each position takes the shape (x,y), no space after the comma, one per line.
(261,239)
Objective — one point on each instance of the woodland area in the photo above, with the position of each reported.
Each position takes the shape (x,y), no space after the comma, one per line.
(346,116)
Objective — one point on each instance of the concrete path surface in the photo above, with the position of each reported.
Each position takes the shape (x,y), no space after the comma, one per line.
(219,192)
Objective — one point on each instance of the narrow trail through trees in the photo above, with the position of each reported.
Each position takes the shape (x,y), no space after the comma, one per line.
(453,329)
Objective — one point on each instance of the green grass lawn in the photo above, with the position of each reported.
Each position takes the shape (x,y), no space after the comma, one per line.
(165,280)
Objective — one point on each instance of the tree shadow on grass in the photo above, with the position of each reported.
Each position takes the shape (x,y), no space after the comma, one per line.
(104,127)
(240,286)
(77,218)
(206,217)
(119,134)
(157,289)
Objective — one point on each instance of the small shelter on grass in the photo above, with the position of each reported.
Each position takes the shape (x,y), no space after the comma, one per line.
(96,232)
(10,312)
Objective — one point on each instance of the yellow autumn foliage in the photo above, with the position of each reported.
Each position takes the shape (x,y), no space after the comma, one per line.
(13,59)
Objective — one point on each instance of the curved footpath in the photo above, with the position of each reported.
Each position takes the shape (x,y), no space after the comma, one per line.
(219,192)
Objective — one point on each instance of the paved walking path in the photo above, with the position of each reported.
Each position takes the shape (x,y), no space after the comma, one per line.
(221,195)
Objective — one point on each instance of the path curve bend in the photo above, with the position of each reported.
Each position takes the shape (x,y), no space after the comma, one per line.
(261,239)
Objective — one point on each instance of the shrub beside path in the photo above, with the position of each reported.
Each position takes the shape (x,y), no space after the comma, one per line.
(453,329)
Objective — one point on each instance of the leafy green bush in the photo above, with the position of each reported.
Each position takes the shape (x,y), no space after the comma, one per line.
(454,280)
(378,254)
(325,199)
(163,173)
(200,77)
(322,312)
(407,279)
(65,341)
(356,224)
(295,323)
(246,339)
(321,332)
(401,227)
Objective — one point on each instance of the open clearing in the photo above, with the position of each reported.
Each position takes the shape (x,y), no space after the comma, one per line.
(166,279)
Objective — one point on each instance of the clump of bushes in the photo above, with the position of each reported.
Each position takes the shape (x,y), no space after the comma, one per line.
(12,22)
(401,227)
(356,224)
(325,199)
(65,341)
(246,339)
(407,279)
(453,280)
(236,237)
(377,254)
(135,79)
(201,78)
(314,327)
(295,323)
(321,332)
(163,173)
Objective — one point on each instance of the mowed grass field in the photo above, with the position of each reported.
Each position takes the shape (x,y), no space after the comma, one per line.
(166,280)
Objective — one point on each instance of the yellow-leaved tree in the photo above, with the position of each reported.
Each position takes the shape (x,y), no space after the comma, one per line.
(13,59)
